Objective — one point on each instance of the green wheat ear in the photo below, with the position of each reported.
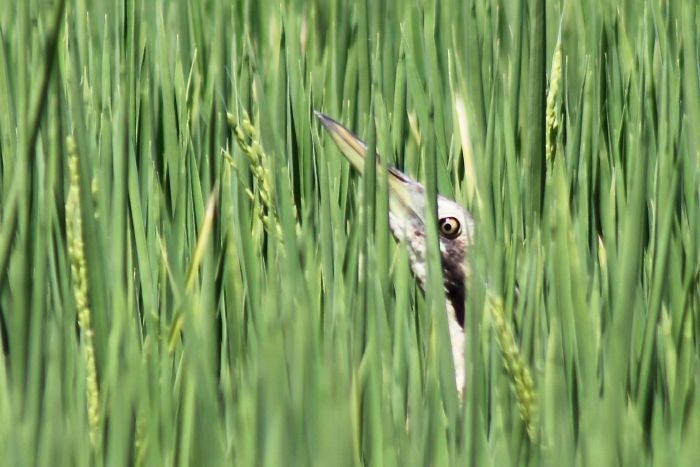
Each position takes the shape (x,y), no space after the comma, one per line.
(76,256)
(517,368)
(552,117)
(262,193)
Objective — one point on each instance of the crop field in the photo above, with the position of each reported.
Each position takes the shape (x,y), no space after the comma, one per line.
(191,272)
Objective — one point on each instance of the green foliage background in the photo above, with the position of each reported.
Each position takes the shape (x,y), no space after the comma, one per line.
(191,274)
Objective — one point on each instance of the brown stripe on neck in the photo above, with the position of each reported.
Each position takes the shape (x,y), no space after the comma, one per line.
(455,289)
(455,294)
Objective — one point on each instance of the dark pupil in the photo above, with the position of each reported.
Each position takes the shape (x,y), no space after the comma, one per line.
(448,226)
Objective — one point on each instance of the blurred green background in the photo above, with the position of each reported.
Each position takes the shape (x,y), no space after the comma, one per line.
(191,273)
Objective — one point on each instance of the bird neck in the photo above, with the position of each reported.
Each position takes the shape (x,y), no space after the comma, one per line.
(457,344)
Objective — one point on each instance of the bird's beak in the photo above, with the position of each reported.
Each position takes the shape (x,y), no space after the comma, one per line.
(406,196)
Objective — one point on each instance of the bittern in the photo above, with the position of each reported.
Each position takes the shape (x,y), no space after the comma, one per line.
(407,220)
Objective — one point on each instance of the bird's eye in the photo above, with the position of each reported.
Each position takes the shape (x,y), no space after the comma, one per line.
(450,227)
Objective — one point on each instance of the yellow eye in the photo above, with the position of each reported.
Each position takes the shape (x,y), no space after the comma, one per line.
(450,227)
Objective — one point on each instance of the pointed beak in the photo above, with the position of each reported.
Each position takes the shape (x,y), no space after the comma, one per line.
(406,196)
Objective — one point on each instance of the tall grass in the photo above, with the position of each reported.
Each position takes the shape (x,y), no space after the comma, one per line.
(161,171)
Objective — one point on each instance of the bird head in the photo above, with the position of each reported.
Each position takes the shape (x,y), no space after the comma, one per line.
(408,217)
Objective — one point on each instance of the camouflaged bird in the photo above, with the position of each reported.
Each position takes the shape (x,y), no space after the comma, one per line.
(407,218)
